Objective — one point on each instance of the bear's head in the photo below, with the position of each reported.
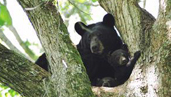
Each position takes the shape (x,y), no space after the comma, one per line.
(119,57)
(100,38)
(106,82)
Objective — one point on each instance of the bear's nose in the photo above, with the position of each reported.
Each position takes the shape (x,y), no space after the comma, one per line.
(123,60)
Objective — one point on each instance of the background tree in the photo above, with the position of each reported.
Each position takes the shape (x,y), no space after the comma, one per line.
(139,29)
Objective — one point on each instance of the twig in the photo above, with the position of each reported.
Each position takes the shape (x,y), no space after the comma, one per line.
(77,7)
(32,8)
(90,4)
(9,44)
(25,47)
(144,3)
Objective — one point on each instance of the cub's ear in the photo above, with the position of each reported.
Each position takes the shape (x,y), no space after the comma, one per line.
(109,20)
(80,28)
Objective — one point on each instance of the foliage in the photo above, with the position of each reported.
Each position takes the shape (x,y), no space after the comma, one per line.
(5,18)
(7,92)
(80,7)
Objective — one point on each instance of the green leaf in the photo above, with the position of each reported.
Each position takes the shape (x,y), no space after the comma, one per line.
(5,18)
(94,0)
(27,43)
(81,1)
(12,93)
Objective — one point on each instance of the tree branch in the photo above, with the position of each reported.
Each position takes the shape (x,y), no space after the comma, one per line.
(8,43)
(65,63)
(25,47)
(20,74)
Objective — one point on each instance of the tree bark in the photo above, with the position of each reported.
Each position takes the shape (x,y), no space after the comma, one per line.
(141,31)
(68,78)
(20,74)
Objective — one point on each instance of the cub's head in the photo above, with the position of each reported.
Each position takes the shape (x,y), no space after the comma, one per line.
(119,57)
(106,82)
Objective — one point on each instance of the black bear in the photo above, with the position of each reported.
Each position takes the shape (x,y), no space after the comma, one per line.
(98,41)
(122,65)
(99,38)
(42,62)
(119,57)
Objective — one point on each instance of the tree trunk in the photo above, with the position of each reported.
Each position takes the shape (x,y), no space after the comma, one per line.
(141,31)
(68,78)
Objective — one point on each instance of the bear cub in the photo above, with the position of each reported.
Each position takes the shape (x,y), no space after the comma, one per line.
(123,65)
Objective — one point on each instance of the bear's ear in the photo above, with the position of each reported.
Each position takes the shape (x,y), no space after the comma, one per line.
(80,28)
(109,20)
